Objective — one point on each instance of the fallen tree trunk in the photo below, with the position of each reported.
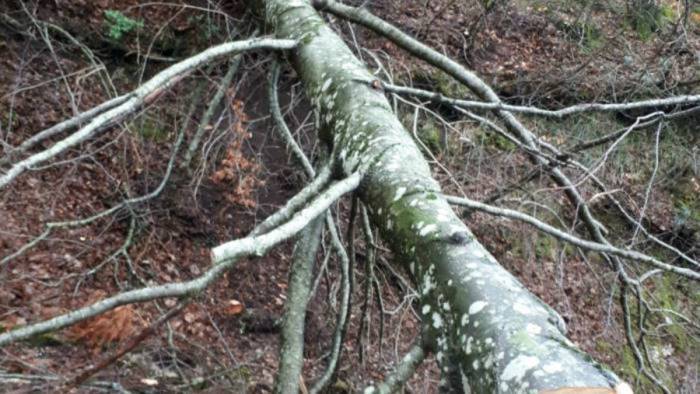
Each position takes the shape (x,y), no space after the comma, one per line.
(490,334)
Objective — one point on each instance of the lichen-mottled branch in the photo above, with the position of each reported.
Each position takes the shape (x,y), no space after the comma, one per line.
(145,93)
(502,338)
(223,258)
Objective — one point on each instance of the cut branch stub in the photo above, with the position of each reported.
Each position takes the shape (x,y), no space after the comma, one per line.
(506,340)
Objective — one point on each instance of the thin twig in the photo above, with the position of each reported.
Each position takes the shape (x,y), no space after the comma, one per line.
(678,101)
(582,243)
(144,94)
(133,342)
(224,257)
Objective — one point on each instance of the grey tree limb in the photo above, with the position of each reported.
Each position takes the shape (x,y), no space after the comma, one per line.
(317,206)
(505,339)
(49,227)
(469,79)
(564,236)
(317,182)
(224,257)
(344,312)
(655,120)
(66,125)
(281,125)
(475,84)
(402,372)
(295,203)
(346,285)
(618,205)
(370,260)
(679,101)
(211,107)
(291,358)
(143,94)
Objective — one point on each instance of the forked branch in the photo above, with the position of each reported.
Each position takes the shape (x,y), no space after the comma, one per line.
(223,258)
(144,94)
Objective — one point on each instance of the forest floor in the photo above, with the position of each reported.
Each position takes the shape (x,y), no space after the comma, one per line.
(70,58)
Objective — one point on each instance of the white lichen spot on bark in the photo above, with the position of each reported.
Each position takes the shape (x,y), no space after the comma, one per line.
(552,367)
(437,320)
(468,347)
(533,329)
(519,367)
(326,84)
(399,193)
(488,362)
(476,307)
(522,308)
(432,227)
(478,253)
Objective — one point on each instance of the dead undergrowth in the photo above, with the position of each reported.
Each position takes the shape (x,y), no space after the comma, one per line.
(530,53)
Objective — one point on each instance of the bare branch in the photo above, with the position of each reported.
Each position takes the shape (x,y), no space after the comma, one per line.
(213,104)
(658,117)
(594,246)
(66,125)
(49,227)
(475,84)
(145,93)
(223,258)
(133,342)
(406,203)
(282,128)
(292,335)
(262,243)
(403,371)
(678,101)
(343,314)
(296,202)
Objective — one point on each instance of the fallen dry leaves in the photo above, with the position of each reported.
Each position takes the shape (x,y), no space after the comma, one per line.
(110,327)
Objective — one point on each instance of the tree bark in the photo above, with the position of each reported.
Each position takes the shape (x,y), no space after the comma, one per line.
(503,338)
(300,281)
